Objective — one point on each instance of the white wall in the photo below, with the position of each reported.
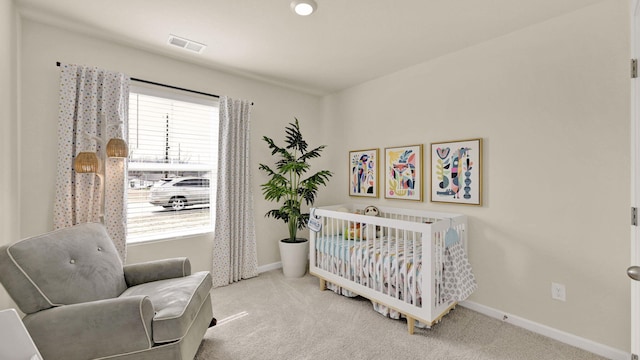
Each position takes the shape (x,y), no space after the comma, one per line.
(552,104)
(43,45)
(8,126)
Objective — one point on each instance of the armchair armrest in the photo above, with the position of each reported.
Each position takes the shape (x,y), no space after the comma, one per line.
(140,273)
(93,329)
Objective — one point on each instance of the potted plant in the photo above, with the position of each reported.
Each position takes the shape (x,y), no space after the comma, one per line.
(288,186)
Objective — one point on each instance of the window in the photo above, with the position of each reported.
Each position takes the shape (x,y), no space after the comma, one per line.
(173,141)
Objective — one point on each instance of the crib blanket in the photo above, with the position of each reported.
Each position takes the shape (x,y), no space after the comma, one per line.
(350,259)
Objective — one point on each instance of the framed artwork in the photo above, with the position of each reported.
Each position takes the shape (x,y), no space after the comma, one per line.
(456,172)
(403,172)
(363,173)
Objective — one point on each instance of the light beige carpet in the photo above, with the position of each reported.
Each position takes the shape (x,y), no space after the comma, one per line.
(273,317)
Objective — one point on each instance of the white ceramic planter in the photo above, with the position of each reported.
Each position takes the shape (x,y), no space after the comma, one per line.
(295,258)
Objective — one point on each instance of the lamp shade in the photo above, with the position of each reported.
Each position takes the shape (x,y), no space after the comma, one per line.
(86,162)
(117,148)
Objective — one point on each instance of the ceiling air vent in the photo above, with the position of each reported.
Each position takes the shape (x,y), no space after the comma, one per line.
(186,44)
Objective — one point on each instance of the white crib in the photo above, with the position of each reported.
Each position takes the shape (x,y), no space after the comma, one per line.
(374,257)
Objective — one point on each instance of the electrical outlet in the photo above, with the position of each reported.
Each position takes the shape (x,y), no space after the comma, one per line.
(558,292)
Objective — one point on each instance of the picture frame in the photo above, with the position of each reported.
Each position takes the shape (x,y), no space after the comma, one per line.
(456,172)
(363,172)
(403,172)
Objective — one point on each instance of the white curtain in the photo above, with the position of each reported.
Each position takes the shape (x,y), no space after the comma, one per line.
(234,250)
(91,101)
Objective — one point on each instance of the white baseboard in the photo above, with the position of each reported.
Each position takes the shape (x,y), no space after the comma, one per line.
(564,337)
(269,267)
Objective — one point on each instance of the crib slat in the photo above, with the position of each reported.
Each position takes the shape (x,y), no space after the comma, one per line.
(414,271)
(396,270)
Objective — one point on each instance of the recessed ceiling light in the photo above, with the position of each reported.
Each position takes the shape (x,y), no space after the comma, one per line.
(186,44)
(304,7)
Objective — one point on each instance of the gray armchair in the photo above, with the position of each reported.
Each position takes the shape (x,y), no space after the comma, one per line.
(82,303)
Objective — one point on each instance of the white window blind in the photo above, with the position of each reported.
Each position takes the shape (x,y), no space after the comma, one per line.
(172,164)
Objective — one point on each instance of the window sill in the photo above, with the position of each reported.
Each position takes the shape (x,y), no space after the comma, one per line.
(178,235)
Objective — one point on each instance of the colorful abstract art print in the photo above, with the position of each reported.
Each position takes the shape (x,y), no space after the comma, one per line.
(456,172)
(403,173)
(363,173)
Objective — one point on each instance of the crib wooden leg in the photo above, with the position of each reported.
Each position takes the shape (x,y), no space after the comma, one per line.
(411,323)
(323,285)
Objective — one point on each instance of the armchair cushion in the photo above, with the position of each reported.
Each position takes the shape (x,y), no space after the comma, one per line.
(67,266)
(176,302)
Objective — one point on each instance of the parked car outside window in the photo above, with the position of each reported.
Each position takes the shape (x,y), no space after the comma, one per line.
(179,193)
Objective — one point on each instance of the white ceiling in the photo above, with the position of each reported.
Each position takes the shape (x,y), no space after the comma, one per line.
(345,43)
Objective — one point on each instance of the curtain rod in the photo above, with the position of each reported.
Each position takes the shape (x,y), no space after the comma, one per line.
(168,86)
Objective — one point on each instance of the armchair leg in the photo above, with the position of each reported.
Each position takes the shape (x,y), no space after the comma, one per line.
(213,322)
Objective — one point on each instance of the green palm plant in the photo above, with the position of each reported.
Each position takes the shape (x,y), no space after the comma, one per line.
(287,182)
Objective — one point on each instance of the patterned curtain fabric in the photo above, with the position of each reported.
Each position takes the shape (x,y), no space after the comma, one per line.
(92,100)
(234,250)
